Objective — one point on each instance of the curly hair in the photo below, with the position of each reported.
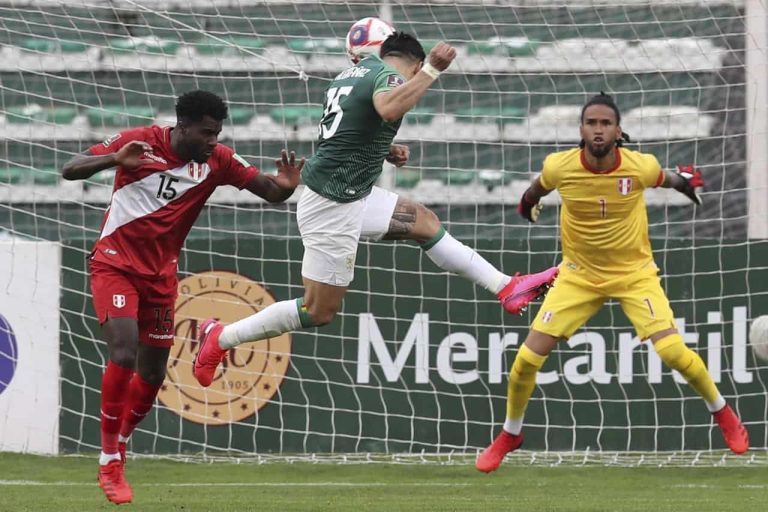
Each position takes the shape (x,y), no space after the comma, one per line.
(194,105)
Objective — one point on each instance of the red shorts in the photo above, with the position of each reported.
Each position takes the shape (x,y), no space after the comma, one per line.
(151,302)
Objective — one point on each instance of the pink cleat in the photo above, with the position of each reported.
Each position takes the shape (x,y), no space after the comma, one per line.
(734,433)
(491,458)
(209,354)
(522,290)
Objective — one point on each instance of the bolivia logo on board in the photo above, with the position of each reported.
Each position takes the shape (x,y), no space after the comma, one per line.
(249,376)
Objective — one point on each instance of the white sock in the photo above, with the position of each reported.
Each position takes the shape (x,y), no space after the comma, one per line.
(453,256)
(718,404)
(106,458)
(121,439)
(271,321)
(513,426)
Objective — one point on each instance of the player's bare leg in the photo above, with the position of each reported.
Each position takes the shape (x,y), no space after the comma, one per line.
(122,337)
(678,356)
(522,380)
(414,221)
(318,307)
(142,390)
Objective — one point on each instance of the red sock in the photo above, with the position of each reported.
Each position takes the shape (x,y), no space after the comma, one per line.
(114,391)
(141,397)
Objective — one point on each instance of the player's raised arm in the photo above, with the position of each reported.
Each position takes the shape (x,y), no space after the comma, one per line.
(686,179)
(393,104)
(85,165)
(529,207)
(277,188)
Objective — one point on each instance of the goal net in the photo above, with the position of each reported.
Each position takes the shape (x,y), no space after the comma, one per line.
(416,363)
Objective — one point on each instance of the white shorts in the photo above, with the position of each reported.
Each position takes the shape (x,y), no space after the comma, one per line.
(330,232)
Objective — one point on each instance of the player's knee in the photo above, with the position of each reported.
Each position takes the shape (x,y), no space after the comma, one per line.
(322,315)
(153,376)
(123,355)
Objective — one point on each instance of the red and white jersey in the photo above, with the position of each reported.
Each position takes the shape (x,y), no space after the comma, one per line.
(154,206)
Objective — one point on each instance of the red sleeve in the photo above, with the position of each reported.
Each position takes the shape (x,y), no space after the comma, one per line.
(114,142)
(660,179)
(234,169)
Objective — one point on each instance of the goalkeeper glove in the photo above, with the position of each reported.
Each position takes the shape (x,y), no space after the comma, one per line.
(528,209)
(691,180)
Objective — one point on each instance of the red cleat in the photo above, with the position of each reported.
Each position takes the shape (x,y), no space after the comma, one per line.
(112,481)
(522,290)
(121,449)
(491,458)
(733,430)
(209,354)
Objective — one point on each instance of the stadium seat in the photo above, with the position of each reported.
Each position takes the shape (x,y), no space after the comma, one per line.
(47,176)
(406,178)
(241,115)
(148,44)
(314,46)
(490,114)
(35,113)
(458,177)
(296,115)
(13,175)
(509,46)
(231,46)
(42,45)
(120,116)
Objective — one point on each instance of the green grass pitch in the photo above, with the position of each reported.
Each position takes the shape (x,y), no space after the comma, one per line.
(63,484)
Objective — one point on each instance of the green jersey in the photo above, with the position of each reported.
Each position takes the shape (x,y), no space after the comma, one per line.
(354,140)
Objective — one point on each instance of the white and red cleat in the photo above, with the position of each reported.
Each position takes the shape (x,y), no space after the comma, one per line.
(522,290)
(491,458)
(734,433)
(209,354)
(112,481)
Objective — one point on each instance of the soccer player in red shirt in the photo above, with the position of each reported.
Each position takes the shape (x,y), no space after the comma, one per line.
(164,177)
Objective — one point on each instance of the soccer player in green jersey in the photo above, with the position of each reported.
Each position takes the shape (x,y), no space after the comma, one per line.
(364,106)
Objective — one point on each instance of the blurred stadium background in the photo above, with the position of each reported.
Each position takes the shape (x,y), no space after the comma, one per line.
(689,76)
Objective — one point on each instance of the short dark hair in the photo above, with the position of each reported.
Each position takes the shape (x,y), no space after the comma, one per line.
(400,44)
(194,105)
(607,100)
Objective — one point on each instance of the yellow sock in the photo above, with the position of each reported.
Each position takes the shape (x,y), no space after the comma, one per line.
(522,380)
(676,354)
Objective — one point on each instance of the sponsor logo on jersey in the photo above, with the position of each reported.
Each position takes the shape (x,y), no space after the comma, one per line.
(354,72)
(111,139)
(197,171)
(118,301)
(625,186)
(395,80)
(249,376)
(9,353)
(547,317)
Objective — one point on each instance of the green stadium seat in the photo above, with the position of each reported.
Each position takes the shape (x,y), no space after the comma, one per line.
(323,45)
(510,46)
(148,44)
(296,115)
(494,114)
(118,115)
(236,46)
(35,113)
(37,44)
(406,178)
(13,175)
(48,176)
(457,177)
(420,115)
(241,115)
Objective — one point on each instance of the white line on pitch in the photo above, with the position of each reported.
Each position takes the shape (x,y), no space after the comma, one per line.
(33,483)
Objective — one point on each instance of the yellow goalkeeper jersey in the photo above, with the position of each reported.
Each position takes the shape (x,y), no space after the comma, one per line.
(603,219)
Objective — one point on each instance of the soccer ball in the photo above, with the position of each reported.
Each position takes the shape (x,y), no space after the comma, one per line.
(758,337)
(365,37)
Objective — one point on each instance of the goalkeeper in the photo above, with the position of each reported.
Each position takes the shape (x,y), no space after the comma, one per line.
(606,254)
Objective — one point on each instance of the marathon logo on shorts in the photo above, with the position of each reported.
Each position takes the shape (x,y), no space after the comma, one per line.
(118,301)
(197,171)
(395,81)
(625,186)
(547,317)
